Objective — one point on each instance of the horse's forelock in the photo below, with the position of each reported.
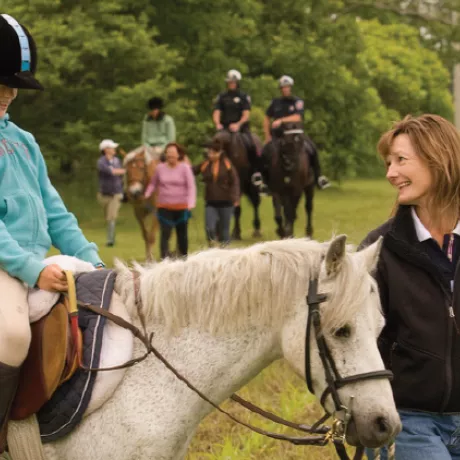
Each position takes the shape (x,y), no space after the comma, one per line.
(351,291)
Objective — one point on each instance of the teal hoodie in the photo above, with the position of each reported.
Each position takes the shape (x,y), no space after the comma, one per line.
(32,214)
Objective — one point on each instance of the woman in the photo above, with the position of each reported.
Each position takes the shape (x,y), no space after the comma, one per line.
(158,128)
(110,192)
(222,191)
(32,216)
(174,182)
(419,285)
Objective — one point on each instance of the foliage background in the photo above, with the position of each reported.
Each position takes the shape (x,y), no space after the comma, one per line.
(358,65)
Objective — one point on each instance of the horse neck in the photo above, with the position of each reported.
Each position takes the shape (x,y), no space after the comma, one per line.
(235,149)
(217,365)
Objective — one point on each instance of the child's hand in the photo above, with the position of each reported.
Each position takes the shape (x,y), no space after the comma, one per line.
(52,278)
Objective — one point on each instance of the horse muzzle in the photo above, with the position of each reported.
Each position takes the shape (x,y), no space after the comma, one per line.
(373,433)
(136,190)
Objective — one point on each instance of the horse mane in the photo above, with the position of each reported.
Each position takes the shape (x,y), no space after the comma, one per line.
(148,156)
(232,290)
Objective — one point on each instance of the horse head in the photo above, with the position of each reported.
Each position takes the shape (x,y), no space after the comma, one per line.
(140,165)
(350,322)
(234,148)
(291,145)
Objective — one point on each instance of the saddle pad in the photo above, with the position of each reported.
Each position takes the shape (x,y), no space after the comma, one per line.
(66,407)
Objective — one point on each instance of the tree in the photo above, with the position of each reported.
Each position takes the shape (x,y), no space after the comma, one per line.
(99,65)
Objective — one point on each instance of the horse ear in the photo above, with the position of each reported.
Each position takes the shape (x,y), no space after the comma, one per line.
(335,254)
(371,254)
(119,266)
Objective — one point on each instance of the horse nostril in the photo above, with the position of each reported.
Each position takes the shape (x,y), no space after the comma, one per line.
(382,425)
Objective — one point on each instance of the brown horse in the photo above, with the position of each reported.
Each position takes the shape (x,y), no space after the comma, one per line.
(237,152)
(140,165)
(290,176)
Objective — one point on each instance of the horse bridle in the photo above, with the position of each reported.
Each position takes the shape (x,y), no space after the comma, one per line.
(334,381)
(145,173)
(320,433)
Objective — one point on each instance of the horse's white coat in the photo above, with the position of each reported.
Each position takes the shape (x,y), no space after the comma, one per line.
(153,416)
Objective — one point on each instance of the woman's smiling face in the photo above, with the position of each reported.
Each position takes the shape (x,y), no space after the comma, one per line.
(407,172)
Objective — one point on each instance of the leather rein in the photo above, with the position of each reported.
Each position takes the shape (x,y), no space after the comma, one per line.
(320,434)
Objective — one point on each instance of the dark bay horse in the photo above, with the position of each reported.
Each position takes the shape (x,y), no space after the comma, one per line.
(290,176)
(237,152)
(140,165)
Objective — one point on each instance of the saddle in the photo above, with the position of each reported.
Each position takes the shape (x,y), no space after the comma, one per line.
(54,355)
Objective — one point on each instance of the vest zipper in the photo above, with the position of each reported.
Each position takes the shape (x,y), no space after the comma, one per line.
(451,323)
(448,391)
(452,315)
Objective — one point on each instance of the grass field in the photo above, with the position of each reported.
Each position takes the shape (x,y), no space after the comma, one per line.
(354,208)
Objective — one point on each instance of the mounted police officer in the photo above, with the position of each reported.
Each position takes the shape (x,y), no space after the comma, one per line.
(232,107)
(285,109)
(32,216)
(232,111)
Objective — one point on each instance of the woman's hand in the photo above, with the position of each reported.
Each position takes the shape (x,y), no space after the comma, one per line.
(52,278)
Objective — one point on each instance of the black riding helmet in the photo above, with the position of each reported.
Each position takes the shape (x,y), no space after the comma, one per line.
(155,103)
(18,55)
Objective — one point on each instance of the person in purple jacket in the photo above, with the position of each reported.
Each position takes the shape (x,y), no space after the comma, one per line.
(110,192)
(175,185)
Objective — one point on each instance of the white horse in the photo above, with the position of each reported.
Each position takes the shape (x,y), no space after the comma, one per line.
(219,318)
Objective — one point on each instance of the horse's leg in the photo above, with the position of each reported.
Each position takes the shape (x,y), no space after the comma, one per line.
(290,203)
(140,215)
(278,210)
(151,238)
(236,233)
(254,198)
(309,195)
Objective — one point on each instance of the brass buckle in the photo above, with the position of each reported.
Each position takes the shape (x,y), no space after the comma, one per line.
(340,422)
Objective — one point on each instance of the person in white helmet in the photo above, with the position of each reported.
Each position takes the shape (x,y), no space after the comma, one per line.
(110,194)
(232,111)
(232,107)
(288,109)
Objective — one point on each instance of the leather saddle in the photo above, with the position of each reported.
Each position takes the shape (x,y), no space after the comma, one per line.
(54,355)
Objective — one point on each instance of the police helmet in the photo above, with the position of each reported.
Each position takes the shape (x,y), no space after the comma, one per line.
(286,80)
(233,75)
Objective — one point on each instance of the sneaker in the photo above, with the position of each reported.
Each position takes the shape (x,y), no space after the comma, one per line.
(323,182)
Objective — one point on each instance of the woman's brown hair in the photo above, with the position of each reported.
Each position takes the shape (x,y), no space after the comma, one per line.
(180,150)
(437,142)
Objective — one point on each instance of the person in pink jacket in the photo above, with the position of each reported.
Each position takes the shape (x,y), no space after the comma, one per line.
(174,183)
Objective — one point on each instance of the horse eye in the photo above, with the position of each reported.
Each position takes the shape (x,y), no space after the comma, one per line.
(343,332)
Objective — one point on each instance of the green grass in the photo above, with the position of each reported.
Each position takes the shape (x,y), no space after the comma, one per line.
(354,209)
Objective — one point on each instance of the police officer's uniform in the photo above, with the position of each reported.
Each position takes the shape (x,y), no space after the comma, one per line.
(231,105)
(281,107)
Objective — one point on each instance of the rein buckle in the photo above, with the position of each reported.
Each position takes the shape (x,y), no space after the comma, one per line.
(340,423)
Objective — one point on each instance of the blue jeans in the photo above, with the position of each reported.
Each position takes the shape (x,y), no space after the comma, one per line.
(426,437)
(218,216)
